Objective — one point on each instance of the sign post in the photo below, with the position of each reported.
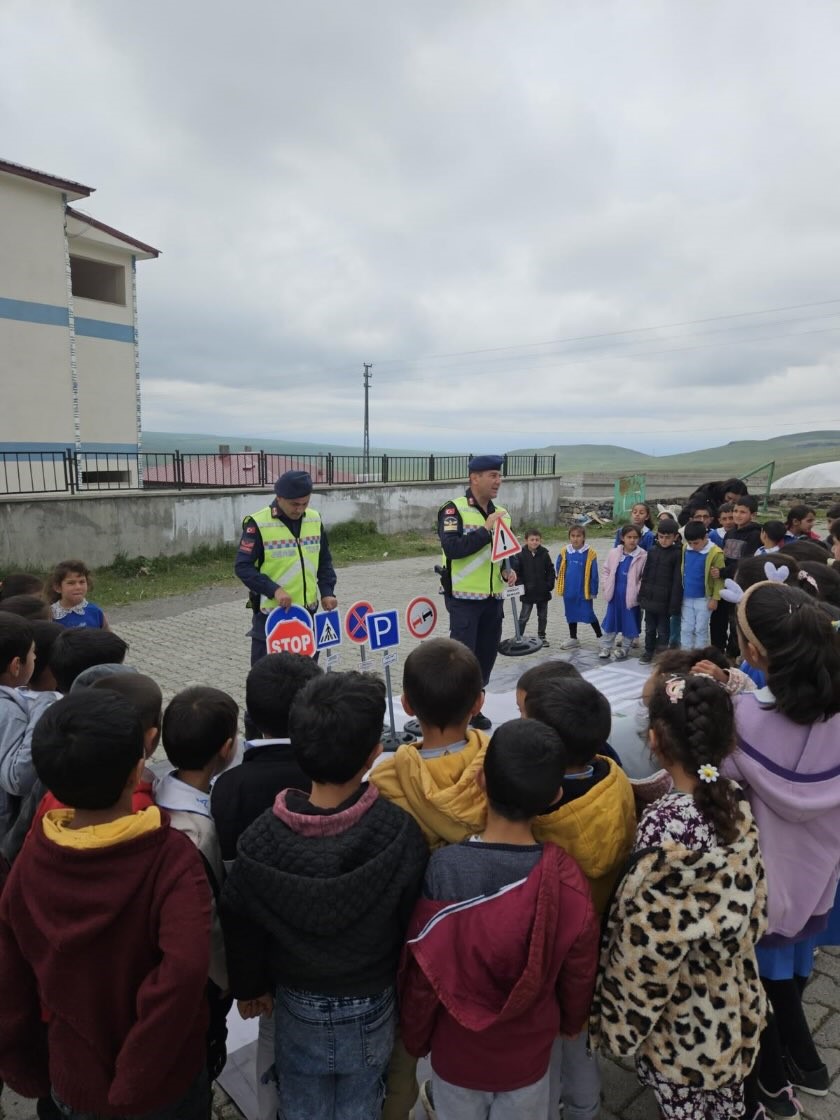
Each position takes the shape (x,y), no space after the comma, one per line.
(383,629)
(504,546)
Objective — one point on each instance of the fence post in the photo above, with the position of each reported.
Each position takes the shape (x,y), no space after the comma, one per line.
(535,464)
(69,471)
(330,469)
(504,466)
(431,468)
(263,468)
(554,463)
(177,469)
(384,468)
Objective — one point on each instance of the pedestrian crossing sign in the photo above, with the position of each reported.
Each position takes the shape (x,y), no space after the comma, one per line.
(504,542)
(327,629)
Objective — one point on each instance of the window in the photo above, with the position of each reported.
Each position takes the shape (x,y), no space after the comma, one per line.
(97,280)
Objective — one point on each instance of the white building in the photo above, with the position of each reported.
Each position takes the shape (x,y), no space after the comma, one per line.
(69,367)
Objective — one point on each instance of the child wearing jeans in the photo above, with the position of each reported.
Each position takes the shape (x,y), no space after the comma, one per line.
(678,988)
(577,583)
(622,580)
(316,906)
(701,589)
(504,947)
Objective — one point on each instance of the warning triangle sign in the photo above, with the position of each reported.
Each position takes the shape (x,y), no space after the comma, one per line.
(328,636)
(504,542)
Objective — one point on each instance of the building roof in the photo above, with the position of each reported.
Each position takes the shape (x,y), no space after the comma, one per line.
(88,220)
(77,190)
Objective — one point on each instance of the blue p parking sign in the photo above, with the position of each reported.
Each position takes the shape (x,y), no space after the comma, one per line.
(383,629)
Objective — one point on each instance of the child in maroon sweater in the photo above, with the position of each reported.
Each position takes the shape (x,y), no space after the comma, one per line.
(104,933)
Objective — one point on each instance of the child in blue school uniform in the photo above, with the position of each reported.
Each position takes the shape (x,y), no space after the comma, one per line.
(641,520)
(622,580)
(577,581)
(69,585)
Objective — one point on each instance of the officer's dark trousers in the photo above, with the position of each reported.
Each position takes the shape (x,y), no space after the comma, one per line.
(478,624)
(258,648)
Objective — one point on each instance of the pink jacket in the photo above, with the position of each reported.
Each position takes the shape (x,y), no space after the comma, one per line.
(634,576)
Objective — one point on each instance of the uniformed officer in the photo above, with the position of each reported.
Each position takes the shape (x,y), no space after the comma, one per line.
(472,584)
(284,556)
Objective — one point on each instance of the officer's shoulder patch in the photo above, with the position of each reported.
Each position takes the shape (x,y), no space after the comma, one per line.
(450,511)
(450,524)
(250,528)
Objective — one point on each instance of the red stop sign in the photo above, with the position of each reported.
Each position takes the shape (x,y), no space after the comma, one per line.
(291,636)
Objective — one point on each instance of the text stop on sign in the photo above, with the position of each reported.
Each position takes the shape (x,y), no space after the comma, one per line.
(291,636)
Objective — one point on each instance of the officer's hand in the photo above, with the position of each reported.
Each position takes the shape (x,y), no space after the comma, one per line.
(329,602)
(282,598)
(509,575)
(491,520)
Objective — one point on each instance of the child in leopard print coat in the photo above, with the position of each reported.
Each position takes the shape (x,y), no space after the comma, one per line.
(679,987)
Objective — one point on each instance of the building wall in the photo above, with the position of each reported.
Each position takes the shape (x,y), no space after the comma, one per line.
(34,331)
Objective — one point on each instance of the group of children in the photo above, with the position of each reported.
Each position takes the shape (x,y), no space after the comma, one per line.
(507,907)
(675,576)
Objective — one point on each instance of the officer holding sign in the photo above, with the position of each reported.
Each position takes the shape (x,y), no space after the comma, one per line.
(284,557)
(472,583)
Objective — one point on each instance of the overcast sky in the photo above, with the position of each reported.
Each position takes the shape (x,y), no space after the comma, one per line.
(339,182)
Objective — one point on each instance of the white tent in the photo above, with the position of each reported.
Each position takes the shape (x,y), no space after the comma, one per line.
(822,476)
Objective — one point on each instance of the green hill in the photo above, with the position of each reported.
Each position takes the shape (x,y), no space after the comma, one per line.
(200,442)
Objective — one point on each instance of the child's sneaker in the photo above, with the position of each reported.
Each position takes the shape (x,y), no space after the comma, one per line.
(646,658)
(813,1081)
(782,1103)
(620,653)
(427,1100)
(570,643)
(605,654)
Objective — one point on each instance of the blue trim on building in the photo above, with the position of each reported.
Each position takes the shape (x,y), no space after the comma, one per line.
(26,311)
(34,449)
(99,328)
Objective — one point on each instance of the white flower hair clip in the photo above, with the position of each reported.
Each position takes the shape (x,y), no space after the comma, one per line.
(806,577)
(708,773)
(675,689)
(732,591)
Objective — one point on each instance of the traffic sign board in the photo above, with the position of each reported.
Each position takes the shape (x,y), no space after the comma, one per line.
(383,629)
(421,616)
(504,542)
(291,635)
(355,626)
(285,614)
(327,629)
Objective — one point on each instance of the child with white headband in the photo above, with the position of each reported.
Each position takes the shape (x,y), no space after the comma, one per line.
(679,987)
(789,766)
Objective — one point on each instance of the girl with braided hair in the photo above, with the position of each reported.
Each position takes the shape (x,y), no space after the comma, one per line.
(678,988)
(788,763)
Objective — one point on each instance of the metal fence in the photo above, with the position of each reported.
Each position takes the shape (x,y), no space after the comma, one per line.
(71,472)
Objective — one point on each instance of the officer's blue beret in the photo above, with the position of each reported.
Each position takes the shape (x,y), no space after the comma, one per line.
(293,484)
(485,463)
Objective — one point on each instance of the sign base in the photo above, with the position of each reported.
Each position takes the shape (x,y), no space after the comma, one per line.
(400,739)
(412,727)
(519,647)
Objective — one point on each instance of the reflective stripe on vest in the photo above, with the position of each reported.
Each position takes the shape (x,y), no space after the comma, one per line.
(475,577)
(290,563)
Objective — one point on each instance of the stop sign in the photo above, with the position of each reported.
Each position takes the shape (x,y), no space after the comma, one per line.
(291,635)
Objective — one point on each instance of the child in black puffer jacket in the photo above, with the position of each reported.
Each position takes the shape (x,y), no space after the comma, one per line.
(660,595)
(535,571)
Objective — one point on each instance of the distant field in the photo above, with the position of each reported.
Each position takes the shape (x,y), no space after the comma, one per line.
(791,452)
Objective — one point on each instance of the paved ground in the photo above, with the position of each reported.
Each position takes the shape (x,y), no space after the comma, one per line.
(201,639)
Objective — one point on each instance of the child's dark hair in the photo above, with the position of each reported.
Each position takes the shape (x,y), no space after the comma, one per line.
(680,662)
(628,528)
(801,646)
(85,747)
(533,533)
(442,681)
(827,580)
(81,648)
(796,513)
(336,724)
(697,729)
(751,569)
(774,531)
(734,486)
(803,549)
(44,635)
(273,683)
(577,711)
(648,522)
(833,512)
(64,569)
(556,670)
(834,528)
(668,525)
(16,639)
(523,769)
(725,507)
(140,691)
(21,583)
(27,606)
(577,529)
(748,501)
(694,531)
(196,725)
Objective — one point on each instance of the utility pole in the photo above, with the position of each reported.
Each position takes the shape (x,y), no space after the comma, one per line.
(366,446)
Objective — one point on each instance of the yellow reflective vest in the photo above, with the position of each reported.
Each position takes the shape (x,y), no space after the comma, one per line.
(291,563)
(475,577)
